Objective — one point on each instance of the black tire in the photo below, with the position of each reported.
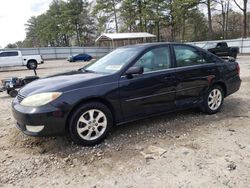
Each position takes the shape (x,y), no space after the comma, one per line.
(81,112)
(32,64)
(207,108)
(234,55)
(13,93)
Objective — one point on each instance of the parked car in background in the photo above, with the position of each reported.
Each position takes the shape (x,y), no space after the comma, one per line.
(130,83)
(79,57)
(15,58)
(221,49)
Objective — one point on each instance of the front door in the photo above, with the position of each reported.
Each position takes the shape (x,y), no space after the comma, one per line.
(12,58)
(4,59)
(150,92)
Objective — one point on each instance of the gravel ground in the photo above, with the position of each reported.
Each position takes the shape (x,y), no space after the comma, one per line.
(184,149)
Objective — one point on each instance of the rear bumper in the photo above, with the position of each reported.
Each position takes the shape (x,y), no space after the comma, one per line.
(233,85)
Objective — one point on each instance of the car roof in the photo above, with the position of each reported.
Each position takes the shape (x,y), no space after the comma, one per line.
(10,51)
(147,45)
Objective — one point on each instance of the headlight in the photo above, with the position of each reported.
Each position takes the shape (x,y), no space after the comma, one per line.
(40,99)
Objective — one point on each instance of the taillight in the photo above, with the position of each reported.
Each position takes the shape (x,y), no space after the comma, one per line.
(238,68)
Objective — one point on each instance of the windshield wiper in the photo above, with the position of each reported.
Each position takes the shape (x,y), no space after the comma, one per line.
(86,70)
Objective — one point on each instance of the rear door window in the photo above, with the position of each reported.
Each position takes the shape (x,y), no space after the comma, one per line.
(12,54)
(188,56)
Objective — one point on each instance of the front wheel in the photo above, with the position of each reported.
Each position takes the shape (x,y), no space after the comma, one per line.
(90,124)
(213,100)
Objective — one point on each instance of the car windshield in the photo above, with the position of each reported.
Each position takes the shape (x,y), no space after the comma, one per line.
(209,45)
(112,62)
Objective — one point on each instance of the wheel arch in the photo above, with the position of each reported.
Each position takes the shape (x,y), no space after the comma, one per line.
(89,100)
(223,86)
(31,60)
(233,50)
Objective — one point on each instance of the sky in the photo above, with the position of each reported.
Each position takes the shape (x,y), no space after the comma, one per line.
(13,16)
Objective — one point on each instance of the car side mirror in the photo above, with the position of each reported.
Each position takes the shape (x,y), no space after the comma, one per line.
(134,70)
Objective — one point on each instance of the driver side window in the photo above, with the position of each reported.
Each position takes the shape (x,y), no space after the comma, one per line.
(155,59)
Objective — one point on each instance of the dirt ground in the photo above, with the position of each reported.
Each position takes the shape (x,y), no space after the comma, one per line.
(183,149)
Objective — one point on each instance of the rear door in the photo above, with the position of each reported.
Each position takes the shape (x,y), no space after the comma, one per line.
(194,72)
(150,92)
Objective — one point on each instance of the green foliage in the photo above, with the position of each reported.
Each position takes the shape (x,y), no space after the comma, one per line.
(107,10)
(78,22)
(11,46)
(64,24)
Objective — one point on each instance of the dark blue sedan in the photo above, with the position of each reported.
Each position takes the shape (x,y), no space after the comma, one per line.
(80,57)
(130,83)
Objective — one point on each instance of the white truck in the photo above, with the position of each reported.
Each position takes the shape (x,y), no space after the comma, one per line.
(15,58)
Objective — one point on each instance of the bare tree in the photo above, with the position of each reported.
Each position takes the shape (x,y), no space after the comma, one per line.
(208,4)
(210,27)
(223,21)
(244,10)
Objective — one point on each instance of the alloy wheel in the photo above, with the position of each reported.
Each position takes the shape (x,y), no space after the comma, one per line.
(214,99)
(92,124)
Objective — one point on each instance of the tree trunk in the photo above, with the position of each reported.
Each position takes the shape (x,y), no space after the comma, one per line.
(158,31)
(116,21)
(223,24)
(227,13)
(77,34)
(245,23)
(172,31)
(145,26)
(210,28)
(183,29)
(223,18)
(244,10)
(140,14)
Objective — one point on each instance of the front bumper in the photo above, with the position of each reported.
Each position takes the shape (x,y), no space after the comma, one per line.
(52,118)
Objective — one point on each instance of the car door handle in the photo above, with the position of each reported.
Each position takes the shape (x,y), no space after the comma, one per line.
(211,70)
(169,77)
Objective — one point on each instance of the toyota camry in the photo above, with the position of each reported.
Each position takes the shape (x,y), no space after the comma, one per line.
(128,84)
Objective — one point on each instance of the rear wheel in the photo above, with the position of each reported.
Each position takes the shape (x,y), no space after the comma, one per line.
(234,55)
(213,100)
(90,124)
(32,64)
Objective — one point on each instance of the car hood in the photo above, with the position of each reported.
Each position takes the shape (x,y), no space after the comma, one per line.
(61,82)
